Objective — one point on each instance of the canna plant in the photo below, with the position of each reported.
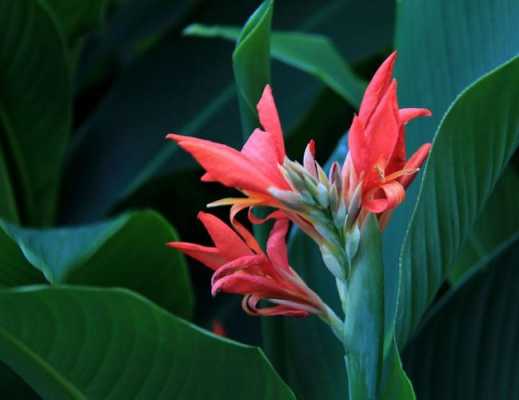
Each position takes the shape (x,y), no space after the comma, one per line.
(339,211)
(369,286)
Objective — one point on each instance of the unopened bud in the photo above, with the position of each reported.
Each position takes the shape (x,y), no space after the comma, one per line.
(333,262)
(322,196)
(290,199)
(352,237)
(354,206)
(323,178)
(309,159)
(334,176)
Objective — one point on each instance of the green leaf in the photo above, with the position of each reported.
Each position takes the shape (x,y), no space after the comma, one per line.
(314,54)
(364,310)
(497,223)
(395,384)
(464,165)
(78,343)
(128,251)
(78,17)
(444,46)
(467,349)
(251,64)
(34,105)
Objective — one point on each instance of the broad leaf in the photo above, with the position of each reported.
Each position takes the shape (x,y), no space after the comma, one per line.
(468,348)
(465,164)
(128,251)
(497,223)
(78,343)
(443,46)
(314,54)
(34,105)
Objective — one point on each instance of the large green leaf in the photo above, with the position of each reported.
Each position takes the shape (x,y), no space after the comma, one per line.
(34,105)
(314,54)
(128,251)
(78,17)
(78,343)
(473,144)
(497,223)
(121,146)
(443,47)
(468,348)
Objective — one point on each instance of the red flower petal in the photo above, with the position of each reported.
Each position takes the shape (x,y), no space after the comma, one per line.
(224,164)
(377,88)
(276,244)
(209,256)
(407,114)
(384,197)
(269,119)
(229,244)
(260,148)
(416,161)
(358,145)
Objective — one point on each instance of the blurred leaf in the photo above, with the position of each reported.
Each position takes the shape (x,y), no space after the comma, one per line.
(34,105)
(497,223)
(314,54)
(443,47)
(125,347)
(364,308)
(172,88)
(128,251)
(467,349)
(464,165)
(78,17)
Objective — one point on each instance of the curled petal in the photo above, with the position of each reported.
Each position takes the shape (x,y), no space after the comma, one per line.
(383,130)
(276,244)
(377,88)
(252,263)
(243,283)
(250,306)
(415,162)
(384,197)
(407,114)
(209,256)
(269,119)
(278,214)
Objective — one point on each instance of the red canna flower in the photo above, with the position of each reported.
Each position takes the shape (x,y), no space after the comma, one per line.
(377,154)
(241,267)
(254,169)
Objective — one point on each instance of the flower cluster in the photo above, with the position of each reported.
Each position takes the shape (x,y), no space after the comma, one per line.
(327,207)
